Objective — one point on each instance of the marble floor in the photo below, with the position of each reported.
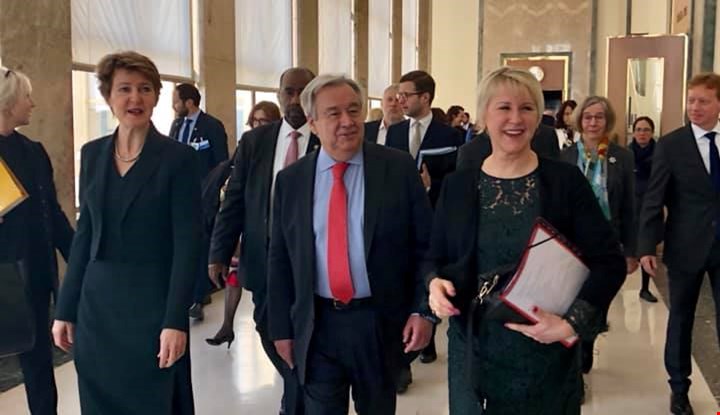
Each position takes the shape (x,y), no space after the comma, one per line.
(628,377)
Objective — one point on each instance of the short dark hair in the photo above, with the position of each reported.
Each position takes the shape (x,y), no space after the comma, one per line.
(188,91)
(439,115)
(454,110)
(646,119)
(423,82)
(130,61)
(302,69)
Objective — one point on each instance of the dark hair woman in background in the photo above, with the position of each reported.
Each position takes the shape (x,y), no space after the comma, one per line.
(31,232)
(643,147)
(566,134)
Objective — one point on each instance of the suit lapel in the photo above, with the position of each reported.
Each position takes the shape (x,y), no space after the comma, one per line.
(197,128)
(691,147)
(374,173)
(144,168)
(95,192)
(313,144)
(305,199)
(613,167)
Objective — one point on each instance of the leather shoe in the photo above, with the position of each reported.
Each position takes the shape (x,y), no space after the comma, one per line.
(680,404)
(196,312)
(647,296)
(428,354)
(404,379)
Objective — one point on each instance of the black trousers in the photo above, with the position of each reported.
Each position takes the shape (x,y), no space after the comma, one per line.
(684,293)
(37,364)
(292,400)
(350,349)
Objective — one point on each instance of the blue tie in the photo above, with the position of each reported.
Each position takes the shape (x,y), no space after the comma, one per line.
(715,175)
(186,131)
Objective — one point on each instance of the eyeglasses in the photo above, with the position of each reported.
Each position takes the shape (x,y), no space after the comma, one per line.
(405,95)
(590,117)
(260,121)
(643,130)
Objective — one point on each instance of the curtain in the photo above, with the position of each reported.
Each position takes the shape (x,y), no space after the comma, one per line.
(336,36)
(409,35)
(380,46)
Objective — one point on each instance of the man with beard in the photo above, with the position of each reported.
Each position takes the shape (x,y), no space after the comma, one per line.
(206,134)
(261,154)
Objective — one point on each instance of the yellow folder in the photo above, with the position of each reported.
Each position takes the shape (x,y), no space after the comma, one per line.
(12,192)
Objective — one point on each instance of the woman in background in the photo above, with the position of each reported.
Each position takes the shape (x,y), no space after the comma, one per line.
(123,306)
(31,232)
(643,147)
(264,112)
(567,136)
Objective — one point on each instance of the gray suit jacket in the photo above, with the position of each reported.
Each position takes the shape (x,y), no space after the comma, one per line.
(621,192)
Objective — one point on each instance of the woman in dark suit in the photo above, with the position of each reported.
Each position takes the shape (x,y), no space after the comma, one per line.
(643,148)
(482,221)
(31,232)
(123,304)
(610,170)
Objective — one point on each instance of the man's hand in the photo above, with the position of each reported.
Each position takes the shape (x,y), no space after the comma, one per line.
(173,344)
(285,349)
(649,264)
(63,333)
(425,176)
(631,264)
(417,333)
(440,292)
(217,271)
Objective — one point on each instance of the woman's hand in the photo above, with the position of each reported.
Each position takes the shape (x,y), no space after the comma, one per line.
(440,291)
(632,264)
(550,328)
(172,347)
(63,333)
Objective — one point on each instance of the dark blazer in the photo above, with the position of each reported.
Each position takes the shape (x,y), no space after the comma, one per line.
(371,130)
(621,192)
(680,182)
(437,135)
(50,230)
(471,156)
(162,221)
(396,230)
(566,201)
(246,208)
(207,128)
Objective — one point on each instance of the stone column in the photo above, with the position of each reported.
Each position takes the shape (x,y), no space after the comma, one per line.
(424,35)
(397,35)
(217,62)
(360,31)
(35,39)
(306,34)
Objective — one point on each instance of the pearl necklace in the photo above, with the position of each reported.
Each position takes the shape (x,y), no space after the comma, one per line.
(129,159)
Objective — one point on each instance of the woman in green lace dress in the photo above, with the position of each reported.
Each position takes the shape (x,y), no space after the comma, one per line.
(483,220)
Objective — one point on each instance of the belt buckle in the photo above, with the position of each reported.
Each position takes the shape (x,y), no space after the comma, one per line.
(339,305)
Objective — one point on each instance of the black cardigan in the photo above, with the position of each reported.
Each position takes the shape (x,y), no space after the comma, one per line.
(566,201)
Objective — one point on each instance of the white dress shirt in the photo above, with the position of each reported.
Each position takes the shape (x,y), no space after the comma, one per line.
(382,133)
(704,144)
(281,147)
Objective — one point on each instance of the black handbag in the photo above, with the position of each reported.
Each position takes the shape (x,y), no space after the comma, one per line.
(17,322)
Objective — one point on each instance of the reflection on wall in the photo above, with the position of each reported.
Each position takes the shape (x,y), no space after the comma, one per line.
(532,27)
(644,90)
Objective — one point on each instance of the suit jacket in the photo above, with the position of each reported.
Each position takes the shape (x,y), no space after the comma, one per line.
(472,155)
(207,128)
(437,135)
(396,232)
(52,232)
(371,130)
(246,208)
(161,221)
(680,182)
(621,192)
(566,201)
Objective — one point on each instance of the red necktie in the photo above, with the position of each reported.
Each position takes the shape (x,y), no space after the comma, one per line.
(338,264)
(292,153)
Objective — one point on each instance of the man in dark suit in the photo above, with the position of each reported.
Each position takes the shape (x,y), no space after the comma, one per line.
(472,155)
(416,92)
(350,225)
(376,131)
(685,179)
(261,154)
(206,134)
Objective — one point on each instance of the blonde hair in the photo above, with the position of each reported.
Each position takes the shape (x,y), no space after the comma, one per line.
(590,101)
(513,77)
(13,84)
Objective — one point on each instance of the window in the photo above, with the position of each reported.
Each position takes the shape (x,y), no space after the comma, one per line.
(336,36)
(409,35)
(245,99)
(380,45)
(159,29)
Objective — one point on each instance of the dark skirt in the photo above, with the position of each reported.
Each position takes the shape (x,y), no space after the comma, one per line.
(117,339)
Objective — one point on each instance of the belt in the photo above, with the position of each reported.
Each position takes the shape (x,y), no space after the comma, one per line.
(338,305)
